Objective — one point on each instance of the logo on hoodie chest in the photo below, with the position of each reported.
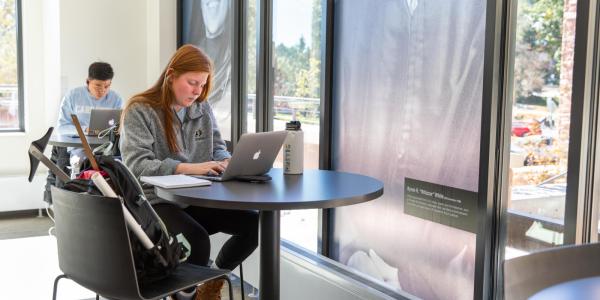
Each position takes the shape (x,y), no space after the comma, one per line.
(198,135)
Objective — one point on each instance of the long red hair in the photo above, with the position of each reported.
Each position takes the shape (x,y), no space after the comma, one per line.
(188,58)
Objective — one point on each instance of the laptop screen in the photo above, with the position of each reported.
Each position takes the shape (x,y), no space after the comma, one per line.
(101,119)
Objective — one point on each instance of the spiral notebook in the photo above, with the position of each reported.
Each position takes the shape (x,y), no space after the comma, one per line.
(174,181)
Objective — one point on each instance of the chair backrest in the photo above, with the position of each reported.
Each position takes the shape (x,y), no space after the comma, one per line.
(93,244)
(229,146)
(526,275)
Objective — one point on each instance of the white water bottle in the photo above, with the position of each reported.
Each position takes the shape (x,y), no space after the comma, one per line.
(293,149)
(75,166)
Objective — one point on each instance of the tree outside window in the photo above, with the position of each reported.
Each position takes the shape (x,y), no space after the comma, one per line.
(9,85)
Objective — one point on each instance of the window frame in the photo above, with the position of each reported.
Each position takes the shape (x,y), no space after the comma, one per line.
(495,126)
(265,97)
(581,200)
(238,63)
(20,85)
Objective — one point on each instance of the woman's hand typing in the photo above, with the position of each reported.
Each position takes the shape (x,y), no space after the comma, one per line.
(205,168)
(225,163)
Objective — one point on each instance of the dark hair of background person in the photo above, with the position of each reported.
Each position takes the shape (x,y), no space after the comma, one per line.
(100,71)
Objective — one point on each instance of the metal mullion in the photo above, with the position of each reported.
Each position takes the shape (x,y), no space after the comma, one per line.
(595,123)
(264,78)
(20,77)
(577,208)
(502,185)
(326,113)
(492,149)
(239,65)
(592,189)
(590,220)
(179,26)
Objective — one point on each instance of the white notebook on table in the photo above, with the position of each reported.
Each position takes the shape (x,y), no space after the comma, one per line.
(174,181)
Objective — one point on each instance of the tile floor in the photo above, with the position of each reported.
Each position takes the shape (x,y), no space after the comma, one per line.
(28,263)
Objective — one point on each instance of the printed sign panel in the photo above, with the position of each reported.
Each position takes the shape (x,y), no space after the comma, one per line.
(442,204)
(407,95)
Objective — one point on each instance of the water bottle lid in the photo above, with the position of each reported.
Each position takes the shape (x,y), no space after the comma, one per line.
(292,125)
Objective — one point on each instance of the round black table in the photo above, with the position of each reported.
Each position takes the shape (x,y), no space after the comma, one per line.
(313,189)
(581,289)
(72,140)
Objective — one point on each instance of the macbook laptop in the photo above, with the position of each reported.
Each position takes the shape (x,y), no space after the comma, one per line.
(253,156)
(102,118)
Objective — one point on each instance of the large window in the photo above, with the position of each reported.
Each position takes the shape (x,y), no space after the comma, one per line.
(251,35)
(296,90)
(407,105)
(11,107)
(296,76)
(208,24)
(407,110)
(296,73)
(542,78)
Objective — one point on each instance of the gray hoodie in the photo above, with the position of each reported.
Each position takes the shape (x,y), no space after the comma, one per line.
(144,146)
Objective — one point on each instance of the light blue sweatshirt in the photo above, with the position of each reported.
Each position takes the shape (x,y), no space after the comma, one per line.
(79,101)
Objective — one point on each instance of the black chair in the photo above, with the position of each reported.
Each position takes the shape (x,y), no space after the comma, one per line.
(94,251)
(61,158)
(526,275)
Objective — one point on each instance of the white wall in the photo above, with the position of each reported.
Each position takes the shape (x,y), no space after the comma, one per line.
(137,37)
(161,38)
(37,35)
(113,31)
(60,40)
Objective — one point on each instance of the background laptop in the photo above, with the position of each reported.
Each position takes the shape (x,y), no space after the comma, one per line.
(253,155)
(102,118)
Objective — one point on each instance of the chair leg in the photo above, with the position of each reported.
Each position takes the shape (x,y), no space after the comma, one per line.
(59,277)
(242,280)
(229,286)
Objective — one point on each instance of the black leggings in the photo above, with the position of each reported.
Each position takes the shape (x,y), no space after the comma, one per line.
(197,223)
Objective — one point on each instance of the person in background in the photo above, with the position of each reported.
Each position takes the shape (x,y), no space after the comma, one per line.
(171,129)
(96,93)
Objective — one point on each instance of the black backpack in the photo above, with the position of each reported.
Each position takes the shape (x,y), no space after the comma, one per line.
(153,264)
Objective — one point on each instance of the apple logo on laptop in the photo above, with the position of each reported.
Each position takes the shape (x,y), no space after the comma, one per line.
(256,155)
(111,122)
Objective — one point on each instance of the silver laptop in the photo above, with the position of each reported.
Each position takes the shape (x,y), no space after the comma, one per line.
(102,118)
(253,156)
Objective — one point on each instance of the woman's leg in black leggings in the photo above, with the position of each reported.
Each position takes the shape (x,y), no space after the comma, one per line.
(178,221)
(242,225)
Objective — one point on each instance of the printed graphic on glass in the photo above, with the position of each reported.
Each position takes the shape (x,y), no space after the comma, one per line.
(407,103)
(208,24)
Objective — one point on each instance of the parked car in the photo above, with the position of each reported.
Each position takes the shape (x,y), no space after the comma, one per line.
(520,129)
(525,128)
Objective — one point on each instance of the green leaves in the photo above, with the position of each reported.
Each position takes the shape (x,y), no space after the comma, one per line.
(8,42)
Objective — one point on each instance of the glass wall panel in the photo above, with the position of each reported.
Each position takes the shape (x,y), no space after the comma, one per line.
(208,24)
(407,110)
(297,69)
(9,77)
(543,71)
(251,38)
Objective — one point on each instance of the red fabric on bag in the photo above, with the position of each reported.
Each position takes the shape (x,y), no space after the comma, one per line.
(87,174)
